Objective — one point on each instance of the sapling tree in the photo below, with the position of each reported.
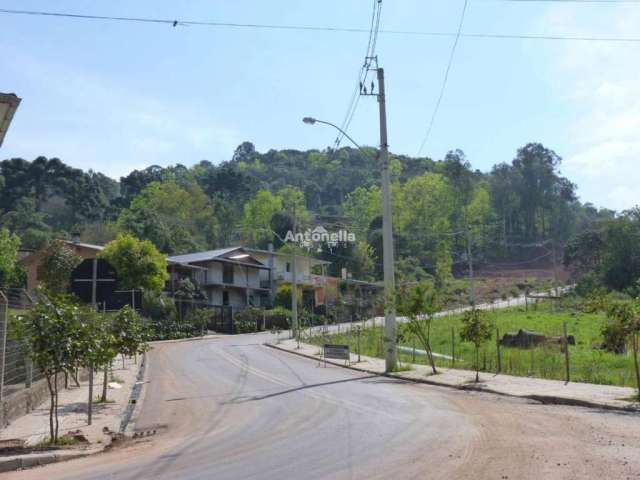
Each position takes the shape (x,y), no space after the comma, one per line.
(129,333)
(419,303)
(122,333)
(624,326)
(476,328)
(52,336)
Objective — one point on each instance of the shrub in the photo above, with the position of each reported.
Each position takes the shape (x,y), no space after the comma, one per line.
(157,306)
(246,321)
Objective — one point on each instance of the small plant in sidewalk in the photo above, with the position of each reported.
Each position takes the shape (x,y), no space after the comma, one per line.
(477,329)
(419,303)
(122,333)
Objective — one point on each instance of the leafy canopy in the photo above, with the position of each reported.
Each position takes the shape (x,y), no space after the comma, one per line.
(138,263)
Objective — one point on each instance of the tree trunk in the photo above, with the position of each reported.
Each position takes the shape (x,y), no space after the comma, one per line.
(429,352)
(90,400)
(55,387)
(104,384)
(51,406)
(477,364)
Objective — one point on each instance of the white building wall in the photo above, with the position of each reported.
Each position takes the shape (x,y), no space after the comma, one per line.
(214,272)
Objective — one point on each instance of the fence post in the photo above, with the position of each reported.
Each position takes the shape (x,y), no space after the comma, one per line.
(635,361)
(498,350)
(453,347)
(4,319)
(566,352)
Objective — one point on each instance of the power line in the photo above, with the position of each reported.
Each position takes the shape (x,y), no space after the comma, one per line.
(446,77)
(264,26)
(364,70)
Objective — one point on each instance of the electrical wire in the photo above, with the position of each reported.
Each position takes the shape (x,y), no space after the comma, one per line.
(445,79)
(364,70)
(263,26)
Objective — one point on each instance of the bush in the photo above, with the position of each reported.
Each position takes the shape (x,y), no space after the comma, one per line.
(277,318)
(158,307)
(246,321)
(169,329)
(588,283)
(615,336)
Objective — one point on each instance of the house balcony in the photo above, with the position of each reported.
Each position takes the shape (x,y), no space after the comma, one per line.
(303,279)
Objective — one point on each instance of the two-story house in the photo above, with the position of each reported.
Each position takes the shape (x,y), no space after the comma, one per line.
(281,265)
(229,276)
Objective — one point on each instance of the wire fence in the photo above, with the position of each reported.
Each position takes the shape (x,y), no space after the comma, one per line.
(549,339)
(16,370)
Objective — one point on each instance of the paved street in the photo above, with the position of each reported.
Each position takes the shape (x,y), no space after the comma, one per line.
(229,408)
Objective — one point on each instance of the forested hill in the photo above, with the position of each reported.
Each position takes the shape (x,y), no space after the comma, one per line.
(439,206)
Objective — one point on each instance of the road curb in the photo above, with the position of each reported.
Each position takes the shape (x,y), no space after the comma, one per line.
(136,398)
(180,340)
(36,460)
(544,399)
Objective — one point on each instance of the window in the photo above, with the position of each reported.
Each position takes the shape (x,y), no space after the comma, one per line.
(288,267)
(225,298)
(227,273)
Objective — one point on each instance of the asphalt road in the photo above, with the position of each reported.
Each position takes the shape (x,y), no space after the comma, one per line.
(232,408)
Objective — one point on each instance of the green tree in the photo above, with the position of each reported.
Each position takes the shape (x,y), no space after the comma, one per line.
(9,244)
(138,263)
(258,212)
(175,218)
(361,207)
(25,221)
(293,201)
(58,262)
(476,328)
(52,336)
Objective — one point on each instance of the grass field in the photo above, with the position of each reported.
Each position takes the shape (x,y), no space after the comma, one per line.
(587,362)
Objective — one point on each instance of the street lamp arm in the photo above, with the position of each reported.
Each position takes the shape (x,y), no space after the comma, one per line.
(311,121)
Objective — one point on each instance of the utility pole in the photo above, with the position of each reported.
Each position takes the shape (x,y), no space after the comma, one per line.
(387,226)
(390,354)
(555,269)
(294,282)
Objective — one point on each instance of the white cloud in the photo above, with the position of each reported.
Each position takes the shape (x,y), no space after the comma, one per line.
(598,81)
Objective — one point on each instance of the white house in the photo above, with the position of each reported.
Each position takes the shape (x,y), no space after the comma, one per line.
(232,276)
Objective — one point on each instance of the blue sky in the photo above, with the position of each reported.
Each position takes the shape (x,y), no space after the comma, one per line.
(117,96)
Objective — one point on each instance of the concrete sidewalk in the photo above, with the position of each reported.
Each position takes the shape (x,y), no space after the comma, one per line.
(33,428)
(546,391)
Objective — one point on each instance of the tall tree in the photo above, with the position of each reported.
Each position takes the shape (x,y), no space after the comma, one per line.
(138,263)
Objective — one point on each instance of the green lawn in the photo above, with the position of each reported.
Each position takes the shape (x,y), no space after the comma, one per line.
(587,362)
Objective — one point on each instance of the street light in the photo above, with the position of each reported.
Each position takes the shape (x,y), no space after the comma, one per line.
(8,105)
(387,229)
